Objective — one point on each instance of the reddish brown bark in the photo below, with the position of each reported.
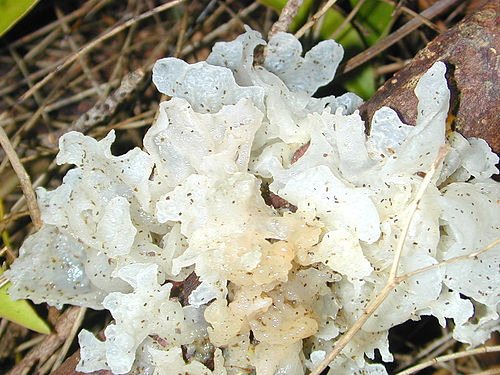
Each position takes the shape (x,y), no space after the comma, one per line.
(470,51)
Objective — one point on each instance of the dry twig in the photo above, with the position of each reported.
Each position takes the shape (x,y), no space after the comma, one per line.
(286,17)
(392,281)
(70,338)
(450,357)
(315,18)
(24,179)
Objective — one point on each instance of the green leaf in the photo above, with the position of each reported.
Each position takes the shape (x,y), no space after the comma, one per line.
(11,11)
(20,312)
(375,16)
(361,81)
(348,36)
(301,16)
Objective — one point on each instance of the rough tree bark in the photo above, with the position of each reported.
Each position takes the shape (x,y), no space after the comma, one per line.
(470,51)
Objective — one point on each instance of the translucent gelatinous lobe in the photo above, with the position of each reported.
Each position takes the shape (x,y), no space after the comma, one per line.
(179,244)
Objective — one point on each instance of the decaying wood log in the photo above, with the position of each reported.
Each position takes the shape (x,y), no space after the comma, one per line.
(470,51)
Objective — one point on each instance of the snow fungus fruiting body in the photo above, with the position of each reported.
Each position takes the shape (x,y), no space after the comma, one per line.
(270,283)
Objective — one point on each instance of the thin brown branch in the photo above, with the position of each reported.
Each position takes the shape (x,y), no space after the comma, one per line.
(45,29)
(348,19)
(221,29)
(32,119)
(286,17)
(69,340)
(117,69)
(29,344)
(6,220)
(53,31)
(392,281)
(412,209)
(24,179)
(99,112)
(88,72)
(182,33)
(24,71)
(449,357)
(315,18)
(449,261)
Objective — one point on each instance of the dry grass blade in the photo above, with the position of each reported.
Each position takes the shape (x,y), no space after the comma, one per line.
(43,351)
(449,261)
(80,58)
(450,357)
(493,371)
(24,179)
(69,340)
(10,218)
(392,280)
(89,47)
(412,209)
(100,112)
(68,18)
(348,19)
(221,29)
(3,281)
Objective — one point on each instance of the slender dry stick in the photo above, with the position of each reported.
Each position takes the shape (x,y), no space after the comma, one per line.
(286,17)
(449,261)
(314,18)
(70,338)
(54,106)
(182,33)
(449,357)
(348,19)
(89,47)
(40,353)
(400,7)
(6,89)
(491,371)
(32,119)
(443,150)
(45,368)
(392,281)
(10,218)
(117,69)
(221,29)
(88,72)
(29,344)
(24,179)
(24,71)
(434,347)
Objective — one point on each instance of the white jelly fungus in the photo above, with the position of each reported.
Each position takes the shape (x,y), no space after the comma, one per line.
(278,284)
